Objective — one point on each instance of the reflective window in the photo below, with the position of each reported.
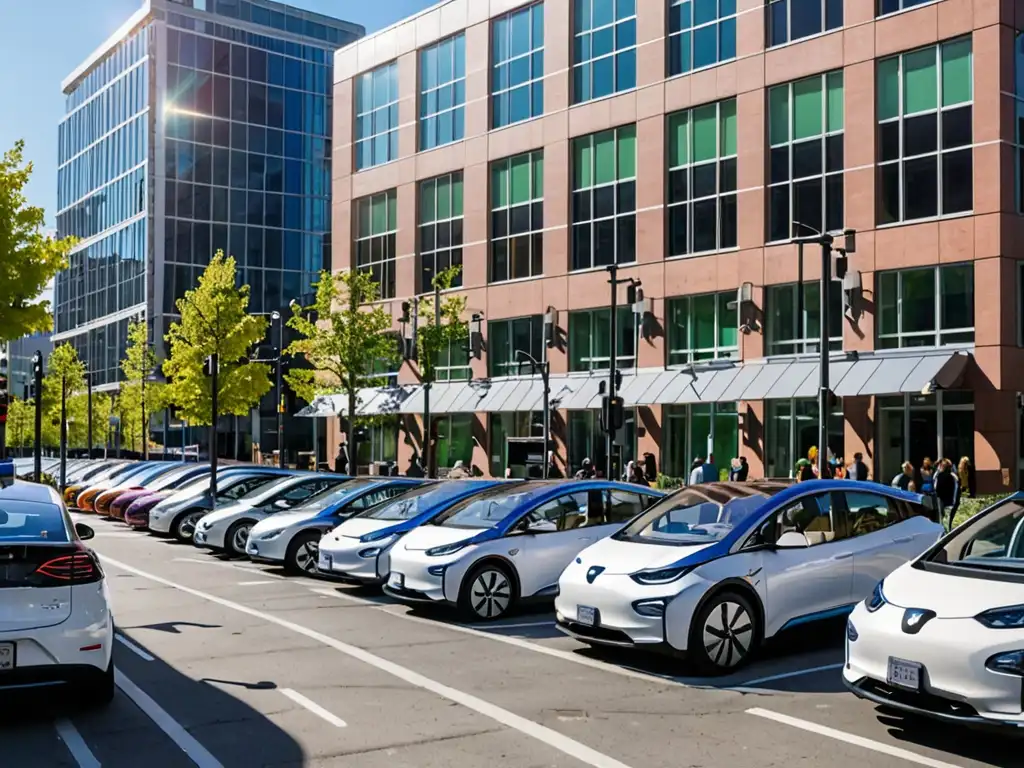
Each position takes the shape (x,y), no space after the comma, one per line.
(702,327)
(791,428)
(793,330)
(699,431)
(506,338)
(590,339)
(376,227)
(927,307)
(604,198)
(702,179)
(442,92)
(700,33)
(454,440)
(1018,104)
(377,116)
(604,48)
(892,6)
(925,131)
(452,362)
(517,77)
(440,228)
(517,217)
(790,20)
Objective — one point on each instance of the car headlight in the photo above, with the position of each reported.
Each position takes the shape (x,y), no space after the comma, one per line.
(1010,617)
(1009,663)
(662,575)
(877,599)
(366,538)
(447,549)
(654,607)
(851,632)
(269,535)
(368,553)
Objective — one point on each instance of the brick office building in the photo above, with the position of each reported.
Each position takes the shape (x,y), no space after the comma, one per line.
(536,143)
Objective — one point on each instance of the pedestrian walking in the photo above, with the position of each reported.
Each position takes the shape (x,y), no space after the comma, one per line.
(650,467)
(709,471)
(945,489)
(740,469)
(858,469)
(696,472)
(905,478)
(341,460)
(804,471)
(968,481)
(586,471)
(638,476)
(553,471)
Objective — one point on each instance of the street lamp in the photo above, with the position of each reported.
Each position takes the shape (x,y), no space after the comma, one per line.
(37,376)
(276,317)
(544,367)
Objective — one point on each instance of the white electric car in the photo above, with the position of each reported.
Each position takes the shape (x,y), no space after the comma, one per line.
(56,627)
(713,570)
(359,550)
(292,538)
(943,636)
(509,543)
(227,528)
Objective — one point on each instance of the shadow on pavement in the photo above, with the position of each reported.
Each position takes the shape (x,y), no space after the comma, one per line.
(1003,747)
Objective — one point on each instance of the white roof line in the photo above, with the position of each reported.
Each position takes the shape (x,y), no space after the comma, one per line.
(96,56)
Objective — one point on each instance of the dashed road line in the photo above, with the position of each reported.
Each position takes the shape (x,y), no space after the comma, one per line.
(76,744)
(313,707)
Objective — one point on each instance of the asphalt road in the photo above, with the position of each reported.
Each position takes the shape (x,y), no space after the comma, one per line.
(225,663)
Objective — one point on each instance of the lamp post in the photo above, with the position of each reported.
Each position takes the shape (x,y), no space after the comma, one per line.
(544,367)
(37,376)
(612,406)
(276,317)
(63,433)
(88,426)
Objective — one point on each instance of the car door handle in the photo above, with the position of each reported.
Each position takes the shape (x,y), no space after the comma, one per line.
(843,556)
(903,540)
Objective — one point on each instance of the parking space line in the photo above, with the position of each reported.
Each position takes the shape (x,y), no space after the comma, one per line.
(233,566)
(133,647)
(520,625)
(313,707)
(525,726)
(849,738)
(76,744)
(785,675)
(196,752)
(254,583)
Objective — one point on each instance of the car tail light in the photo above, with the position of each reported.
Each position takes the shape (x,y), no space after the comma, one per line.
(76,568)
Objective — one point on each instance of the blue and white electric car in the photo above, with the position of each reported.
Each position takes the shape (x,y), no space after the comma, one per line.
(509,544)
(713,570)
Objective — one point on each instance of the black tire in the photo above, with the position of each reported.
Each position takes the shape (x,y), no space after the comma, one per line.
(294,561)
(488,592)
(234,533)
(724,634)
(99,690)
(185,534)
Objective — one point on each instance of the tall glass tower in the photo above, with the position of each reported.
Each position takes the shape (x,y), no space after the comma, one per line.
(199,125)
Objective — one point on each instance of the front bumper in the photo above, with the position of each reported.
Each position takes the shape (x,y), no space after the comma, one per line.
(410,581)
(956,686)
(341,560)
(210,538)
(269,551)
(612,596)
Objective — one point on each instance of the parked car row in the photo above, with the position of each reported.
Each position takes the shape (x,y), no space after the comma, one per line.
(709,572)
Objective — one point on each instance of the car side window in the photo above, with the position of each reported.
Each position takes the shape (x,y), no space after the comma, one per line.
(622,506)
(869,512)
(813,516)
(303,491)
(374,498)
(239,490)
(563,513)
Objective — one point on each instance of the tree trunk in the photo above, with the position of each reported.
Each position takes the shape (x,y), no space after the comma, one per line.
(350,431)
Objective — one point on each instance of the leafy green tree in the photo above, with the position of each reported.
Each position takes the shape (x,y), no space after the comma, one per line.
(64,372)
(28,258)
(215,320)
(346,344)
(138,364)
(21,423)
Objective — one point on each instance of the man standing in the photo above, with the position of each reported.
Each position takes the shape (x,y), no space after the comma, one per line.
(696,472)
(858,469)
(341,460)
(945,489)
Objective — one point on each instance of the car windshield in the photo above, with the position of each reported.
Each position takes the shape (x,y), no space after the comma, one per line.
(22,521)
(699,515)
(487,509)
(144,477)
(265,491)
(417,500)
(187,480)
(333,495)
(170,478)
(992,541)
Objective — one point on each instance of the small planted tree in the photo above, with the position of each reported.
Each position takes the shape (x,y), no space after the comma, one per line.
(139,397)
(345,344)
(215,320)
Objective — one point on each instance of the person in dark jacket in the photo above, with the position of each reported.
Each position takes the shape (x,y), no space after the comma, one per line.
(650,467)
(905,478)
(637,476)
(739,471)
(341,460)
(804,471)
(946,489)
(858,469)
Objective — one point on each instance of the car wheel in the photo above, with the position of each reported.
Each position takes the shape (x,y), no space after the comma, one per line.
(237,537)
(724,634)
(98,692)
(488,593)
(303,553)
(184,526)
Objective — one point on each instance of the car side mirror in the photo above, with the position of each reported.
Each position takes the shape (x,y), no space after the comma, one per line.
(281,504)
(84,531)
(792,540)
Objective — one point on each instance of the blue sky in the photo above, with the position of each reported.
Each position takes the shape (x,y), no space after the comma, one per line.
(42,41)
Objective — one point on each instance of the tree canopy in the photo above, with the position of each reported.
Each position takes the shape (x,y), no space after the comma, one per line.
(28,258)
(215,320)
(432,338)
(137,391)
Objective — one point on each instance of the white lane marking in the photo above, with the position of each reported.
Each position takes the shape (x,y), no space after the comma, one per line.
(76,744)
(233,566)
(254,583)
(509,719)
(350,598)
(196,752)
(849,738)
(521,625)
(313,707)
(796,673)
(133,647)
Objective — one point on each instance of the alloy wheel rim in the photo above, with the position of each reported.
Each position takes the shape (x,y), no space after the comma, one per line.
(241,539)
(188,524)
(307,555)
(728,633)
(490,594)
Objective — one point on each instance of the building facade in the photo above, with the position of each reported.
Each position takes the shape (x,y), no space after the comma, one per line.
(534,144)
(200,125)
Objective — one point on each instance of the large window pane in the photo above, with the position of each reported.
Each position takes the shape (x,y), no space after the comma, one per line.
(517,79)
(604,198)
(590,339)
(604,48)
(926,307)
(442,92)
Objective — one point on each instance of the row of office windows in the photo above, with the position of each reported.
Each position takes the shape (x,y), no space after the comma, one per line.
(300,173)
(269,289)
(126,55)
(116,154)
(280,17)
(126,97)
(193,242)
(701,33)
(930,306)
(917,179)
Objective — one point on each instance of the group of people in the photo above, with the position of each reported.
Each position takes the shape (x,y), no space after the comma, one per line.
(939,479)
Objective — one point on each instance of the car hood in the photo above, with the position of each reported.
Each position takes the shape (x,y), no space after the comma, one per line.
(132,494)
(624,557)
(949,594)
(360,526)
(283,520)
(226,513)
(429,536)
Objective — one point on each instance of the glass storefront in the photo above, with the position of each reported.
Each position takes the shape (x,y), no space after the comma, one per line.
(689,431)
(587,441)
(454,440)
(914,427)
(792,430)
(506,425)
(381,443)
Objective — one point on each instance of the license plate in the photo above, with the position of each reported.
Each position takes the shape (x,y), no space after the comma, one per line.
(397,580)
(904,674)
(586,615)
(6,656)
(324,563)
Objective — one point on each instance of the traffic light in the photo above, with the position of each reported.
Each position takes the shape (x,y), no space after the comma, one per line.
(406,308)
(618,379)
(612,413)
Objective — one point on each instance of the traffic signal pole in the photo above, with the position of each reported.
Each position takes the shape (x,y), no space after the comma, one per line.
(609,426)
(37,375)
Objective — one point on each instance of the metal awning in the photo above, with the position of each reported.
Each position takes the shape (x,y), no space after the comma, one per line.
(584,393)
(370,401)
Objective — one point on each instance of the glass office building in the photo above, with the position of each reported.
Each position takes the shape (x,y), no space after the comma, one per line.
(200,125)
